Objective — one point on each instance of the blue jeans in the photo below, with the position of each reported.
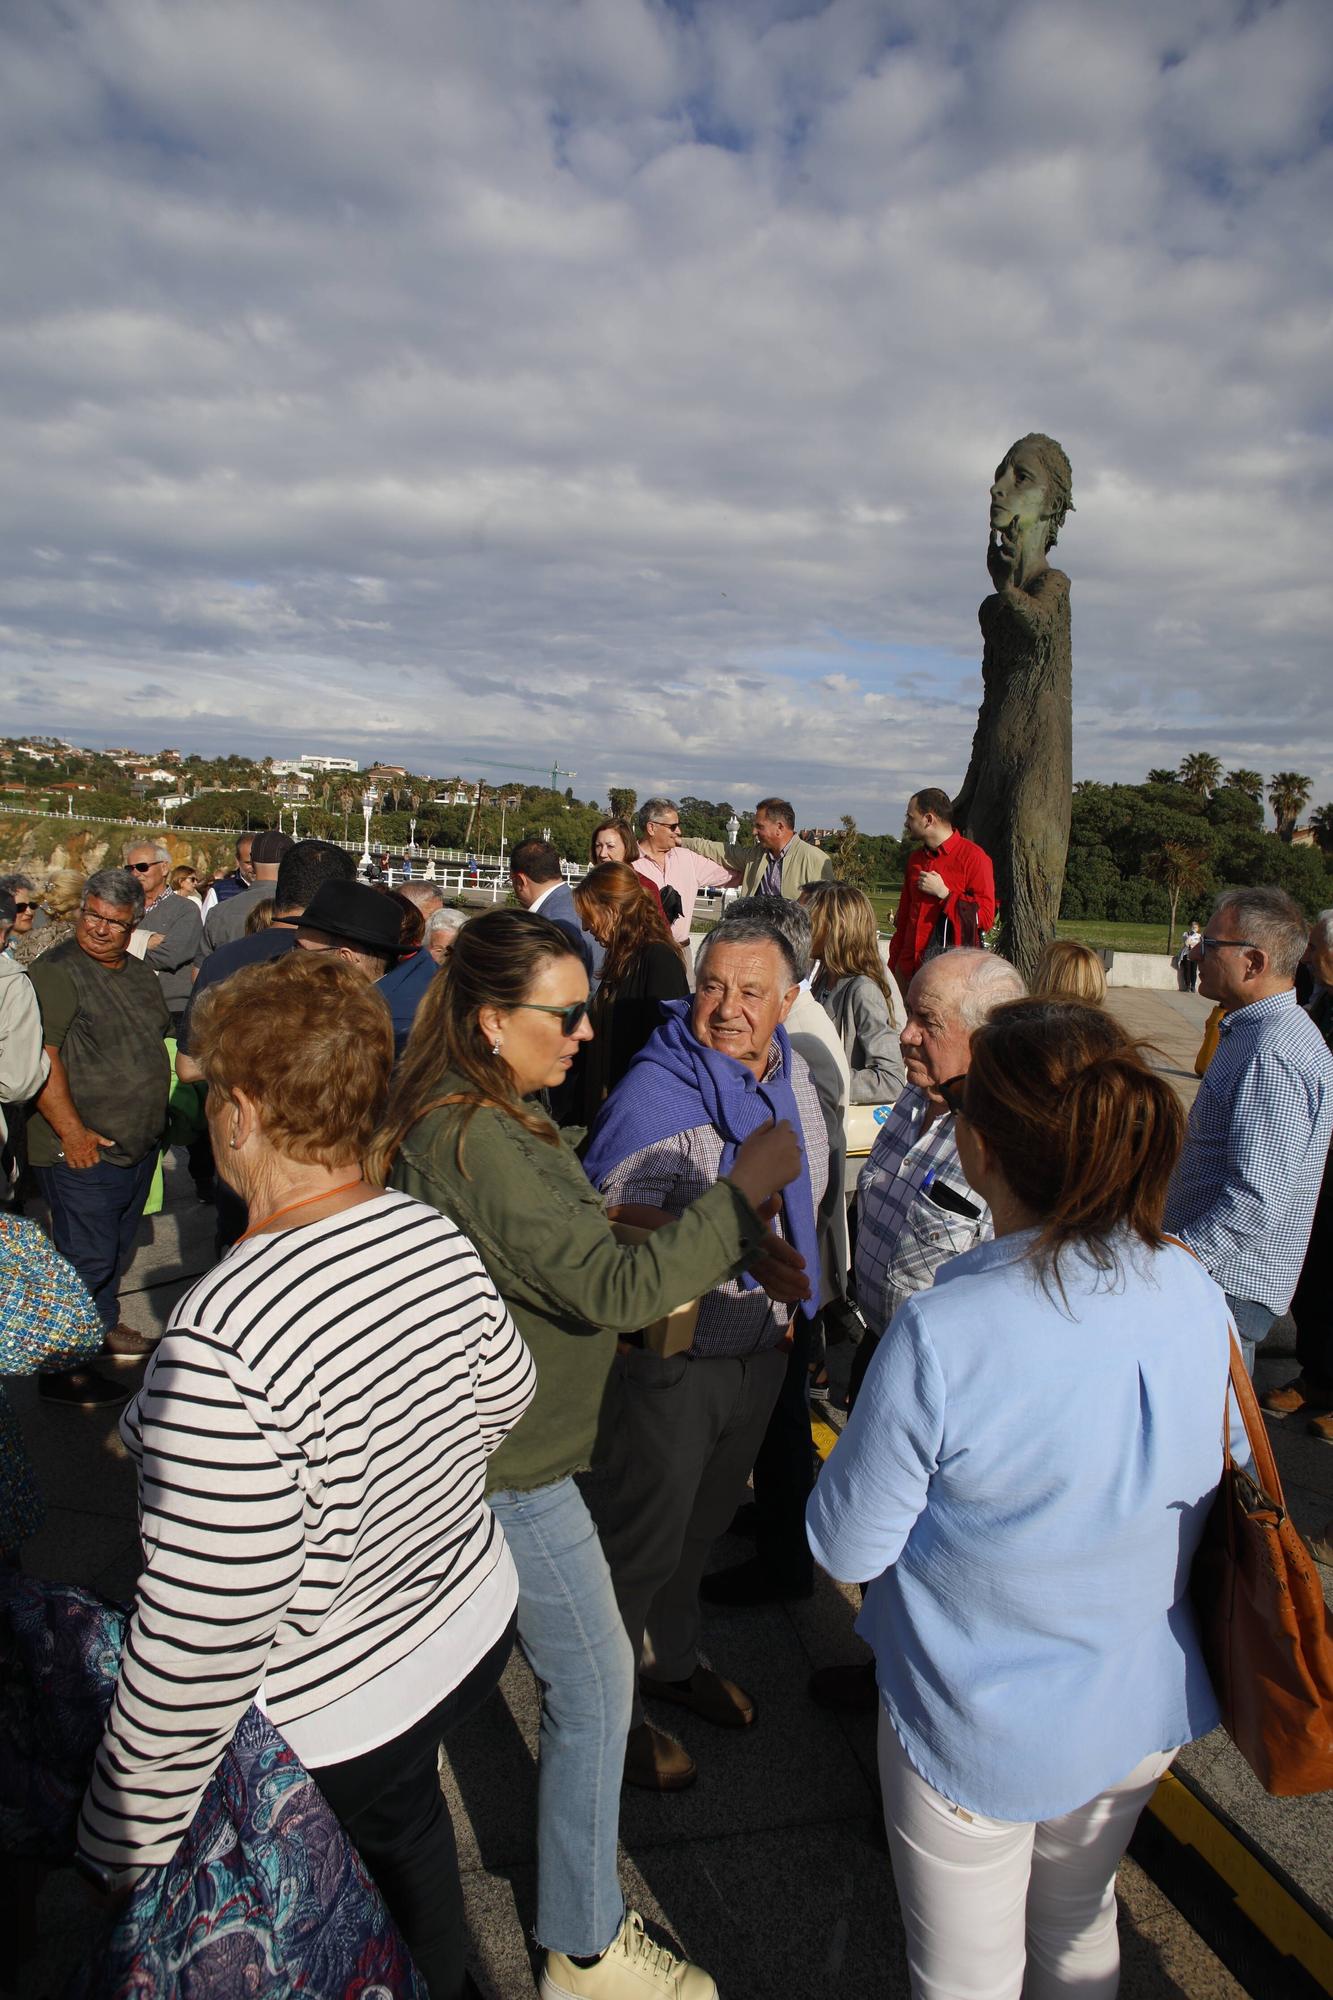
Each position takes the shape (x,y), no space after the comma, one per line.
(95,1216)
(571,1631)
(1254,1322)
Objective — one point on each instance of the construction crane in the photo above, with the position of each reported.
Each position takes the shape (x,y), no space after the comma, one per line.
(502,764)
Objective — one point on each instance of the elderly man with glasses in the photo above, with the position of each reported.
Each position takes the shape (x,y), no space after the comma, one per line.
(99,1118)
(664,862)
(171,922)
(1244,1191)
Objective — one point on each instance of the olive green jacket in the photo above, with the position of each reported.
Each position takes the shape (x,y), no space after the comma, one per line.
(541,1231)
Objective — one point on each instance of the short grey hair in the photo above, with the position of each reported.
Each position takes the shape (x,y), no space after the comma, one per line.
(11,883)
(983,982)
(1271,919)
(653,809)
(446,920)
(160,853)
(1321,930)
(423,894)
(792,919)
(748,930)
(118,887)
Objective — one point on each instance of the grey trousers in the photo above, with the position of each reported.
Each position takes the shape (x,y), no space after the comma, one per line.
(683,1439)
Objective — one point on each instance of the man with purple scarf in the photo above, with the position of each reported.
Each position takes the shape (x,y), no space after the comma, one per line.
(687,1425)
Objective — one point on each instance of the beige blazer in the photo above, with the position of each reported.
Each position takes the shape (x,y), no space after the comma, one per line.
(801,863)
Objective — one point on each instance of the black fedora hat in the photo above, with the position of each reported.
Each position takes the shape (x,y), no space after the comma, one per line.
(355,914)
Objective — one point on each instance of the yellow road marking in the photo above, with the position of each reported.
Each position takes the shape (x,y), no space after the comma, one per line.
(1269,1907)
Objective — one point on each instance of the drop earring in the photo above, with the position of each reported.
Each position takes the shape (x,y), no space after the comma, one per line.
(495,1048)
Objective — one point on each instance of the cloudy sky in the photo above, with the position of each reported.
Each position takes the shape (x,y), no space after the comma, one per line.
(618,383)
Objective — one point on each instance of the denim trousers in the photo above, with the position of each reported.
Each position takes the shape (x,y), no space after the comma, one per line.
(393,1811)
(1254,1321)
(573,1637)
(95,1217)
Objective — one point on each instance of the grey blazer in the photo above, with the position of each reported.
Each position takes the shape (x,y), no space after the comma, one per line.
(869,1034)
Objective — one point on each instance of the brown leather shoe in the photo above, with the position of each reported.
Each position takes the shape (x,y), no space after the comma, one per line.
(847,1689)
(1296,1395)
(127,1340)
(1321,1427)
(655,1762)
(706,1695)
(1321,1546)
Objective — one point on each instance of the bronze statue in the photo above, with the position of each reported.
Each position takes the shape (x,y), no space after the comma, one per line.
(1017,796)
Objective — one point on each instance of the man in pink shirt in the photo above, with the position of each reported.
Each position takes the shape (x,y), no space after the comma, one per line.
(666,864)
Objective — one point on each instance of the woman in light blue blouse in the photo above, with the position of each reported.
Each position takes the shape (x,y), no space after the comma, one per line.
(1027,1474)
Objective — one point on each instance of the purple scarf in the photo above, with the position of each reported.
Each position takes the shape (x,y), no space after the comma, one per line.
(674,1084)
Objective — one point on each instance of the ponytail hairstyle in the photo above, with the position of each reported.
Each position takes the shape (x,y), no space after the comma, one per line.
(1083,1131)
(496,960)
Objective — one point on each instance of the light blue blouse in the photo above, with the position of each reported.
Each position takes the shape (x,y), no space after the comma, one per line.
(1028,1482)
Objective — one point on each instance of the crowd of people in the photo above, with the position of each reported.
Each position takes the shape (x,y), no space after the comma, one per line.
(529,1226)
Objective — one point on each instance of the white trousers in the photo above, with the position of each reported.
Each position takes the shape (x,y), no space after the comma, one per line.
(995,1909)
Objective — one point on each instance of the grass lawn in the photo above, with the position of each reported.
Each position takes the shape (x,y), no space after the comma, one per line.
(1088,930)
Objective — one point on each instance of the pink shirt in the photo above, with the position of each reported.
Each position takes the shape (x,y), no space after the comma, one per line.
(687,874)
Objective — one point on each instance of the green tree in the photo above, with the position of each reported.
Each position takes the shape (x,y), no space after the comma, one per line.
(1159,776)
(1182,870)
(1287,794)
(1322,822)
(621,802)
(1249,782)
(848,859)
(1200,772)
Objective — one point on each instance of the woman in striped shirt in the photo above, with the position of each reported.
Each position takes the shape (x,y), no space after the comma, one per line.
(312,1435)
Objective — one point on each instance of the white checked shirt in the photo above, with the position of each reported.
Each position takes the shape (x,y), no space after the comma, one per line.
(734,1319)
(1244,1191)
(902,1235)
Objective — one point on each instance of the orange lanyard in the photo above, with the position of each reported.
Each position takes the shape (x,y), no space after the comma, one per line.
(306,1201)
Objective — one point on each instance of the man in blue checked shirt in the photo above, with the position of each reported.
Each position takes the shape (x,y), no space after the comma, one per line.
(1244,1192)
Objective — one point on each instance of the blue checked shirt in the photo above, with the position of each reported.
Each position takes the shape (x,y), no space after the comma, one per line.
(1244,1191)
(902,1236)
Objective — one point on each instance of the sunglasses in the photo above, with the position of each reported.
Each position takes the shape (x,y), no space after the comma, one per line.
(142,867)
(953,1090)
(1228,944)
(570,1017)
(671,825)
(19,908)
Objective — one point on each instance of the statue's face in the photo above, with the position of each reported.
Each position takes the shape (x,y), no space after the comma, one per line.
(1019,493)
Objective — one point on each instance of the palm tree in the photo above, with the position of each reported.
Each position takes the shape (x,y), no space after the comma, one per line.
(1249,782)
(1200,772)
(346,799)
(1159,776)
(1287,794)
(1322,822)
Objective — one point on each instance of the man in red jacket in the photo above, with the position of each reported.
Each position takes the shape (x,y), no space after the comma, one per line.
(943,871)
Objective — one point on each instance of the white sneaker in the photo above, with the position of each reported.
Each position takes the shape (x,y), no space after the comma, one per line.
(631,1968)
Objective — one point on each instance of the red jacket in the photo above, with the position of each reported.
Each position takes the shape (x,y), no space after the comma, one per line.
(969,874)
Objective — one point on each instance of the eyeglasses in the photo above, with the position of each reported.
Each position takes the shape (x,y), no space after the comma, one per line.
(570,1017)
(671,825)
(1228,944)
(142,867)
(953,1090)
(19,908)
(96,922)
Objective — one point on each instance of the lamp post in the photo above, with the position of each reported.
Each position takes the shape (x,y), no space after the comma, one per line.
(294,822)
(733,830)
(370,798)
(507,805)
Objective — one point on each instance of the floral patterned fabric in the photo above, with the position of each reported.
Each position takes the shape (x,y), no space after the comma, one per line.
(265,1896)
(47,1320)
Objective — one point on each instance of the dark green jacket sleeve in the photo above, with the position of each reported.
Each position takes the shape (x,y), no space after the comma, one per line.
(542,1232)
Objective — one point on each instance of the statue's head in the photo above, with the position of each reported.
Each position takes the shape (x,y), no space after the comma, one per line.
(1041,455)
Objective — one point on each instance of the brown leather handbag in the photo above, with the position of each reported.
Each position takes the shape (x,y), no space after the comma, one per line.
(1266,1630)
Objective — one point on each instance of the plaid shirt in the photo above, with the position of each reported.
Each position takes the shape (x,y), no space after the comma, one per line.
(1244,1191)
(672,1173)
(902,1236)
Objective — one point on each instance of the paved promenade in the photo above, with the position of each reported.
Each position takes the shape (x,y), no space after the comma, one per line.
(771,1871)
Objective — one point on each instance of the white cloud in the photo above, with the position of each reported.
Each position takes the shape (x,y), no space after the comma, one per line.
(621,382)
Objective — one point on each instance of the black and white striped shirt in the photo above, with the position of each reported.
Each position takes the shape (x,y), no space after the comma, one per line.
(312,1435)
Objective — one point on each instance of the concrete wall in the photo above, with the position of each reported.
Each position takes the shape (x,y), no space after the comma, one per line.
(1140,968)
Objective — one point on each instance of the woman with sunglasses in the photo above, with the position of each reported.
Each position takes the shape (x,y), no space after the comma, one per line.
(1026,1475)
(26,905)
(464,1131)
